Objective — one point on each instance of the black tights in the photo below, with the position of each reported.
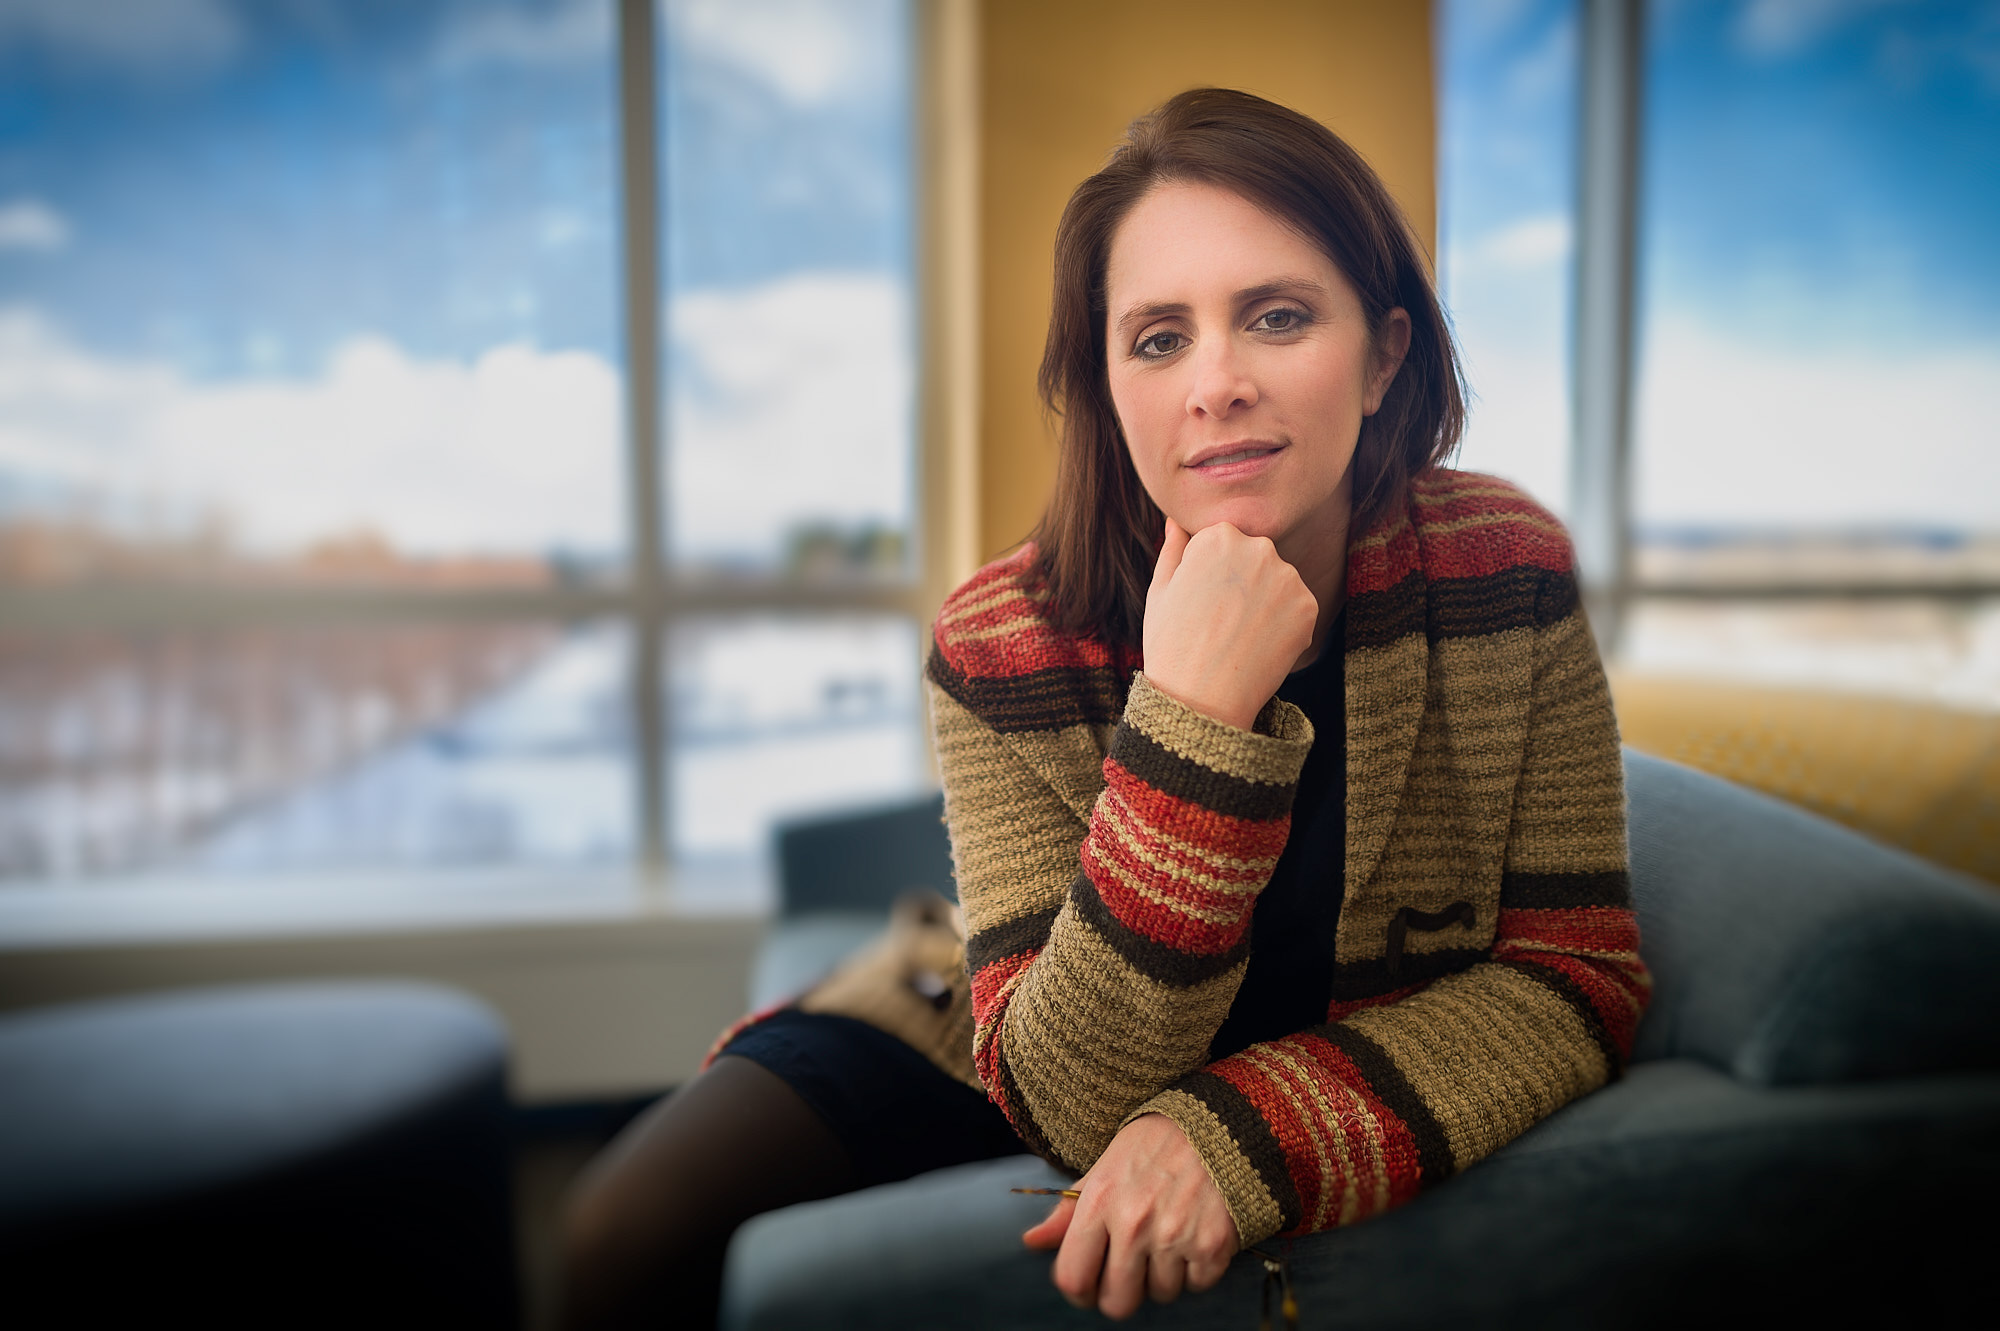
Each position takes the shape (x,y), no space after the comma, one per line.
(648,1222)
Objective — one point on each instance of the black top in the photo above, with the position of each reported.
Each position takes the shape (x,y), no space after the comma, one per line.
(1289,983)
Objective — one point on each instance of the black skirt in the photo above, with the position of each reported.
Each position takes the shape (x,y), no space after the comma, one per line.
(891,1107)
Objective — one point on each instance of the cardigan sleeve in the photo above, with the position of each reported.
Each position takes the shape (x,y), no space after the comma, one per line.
(1350,1118)
(1100,976)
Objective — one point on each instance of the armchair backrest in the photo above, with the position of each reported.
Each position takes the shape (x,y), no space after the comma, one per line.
(1787,949)
(863,860)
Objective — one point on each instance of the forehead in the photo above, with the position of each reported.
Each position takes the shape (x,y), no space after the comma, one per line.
(1184,237)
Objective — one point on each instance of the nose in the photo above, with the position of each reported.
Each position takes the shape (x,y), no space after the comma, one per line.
(1222,382)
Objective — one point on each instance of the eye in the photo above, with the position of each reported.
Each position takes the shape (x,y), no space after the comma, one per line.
(1280,320)
(1158,345)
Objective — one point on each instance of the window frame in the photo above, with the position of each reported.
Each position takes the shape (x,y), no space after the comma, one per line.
(649,597)
(1603,356)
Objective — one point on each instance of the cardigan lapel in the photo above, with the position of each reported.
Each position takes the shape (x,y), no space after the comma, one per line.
(1388,666)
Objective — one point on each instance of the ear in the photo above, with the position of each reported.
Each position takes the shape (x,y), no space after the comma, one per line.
(1392,343)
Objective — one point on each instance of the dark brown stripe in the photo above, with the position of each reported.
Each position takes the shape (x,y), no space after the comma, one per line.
(1393,1089)
(1168,772)
(1564,891)
(1572,993)
(1520,597)
(1016,1108)
(1253,1137)
(1366,979)
(1009,938)
(1513,598)
(1038,700)
(1378,618)
(1155,960)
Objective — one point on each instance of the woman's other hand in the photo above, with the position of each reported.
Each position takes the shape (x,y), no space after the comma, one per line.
(1150,1222)
(1226,620)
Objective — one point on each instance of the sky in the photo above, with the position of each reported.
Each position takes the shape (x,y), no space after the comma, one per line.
(1819,295)
(298,267)
(373,247)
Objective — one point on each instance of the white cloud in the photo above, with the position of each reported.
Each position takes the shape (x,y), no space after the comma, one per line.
(518,451)
(30,224)
(1518,422)
(1540,241)
(567,33)
(811,52)
(1774,29)
(165,36)
(1731,431)
(799,411)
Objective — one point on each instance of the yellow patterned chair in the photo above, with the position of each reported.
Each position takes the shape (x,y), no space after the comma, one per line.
(1916,775)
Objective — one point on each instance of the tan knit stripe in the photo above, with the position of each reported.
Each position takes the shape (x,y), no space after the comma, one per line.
(1490,1052)
(1069,760)
(1436,530)
(1000,593)
(1006,628)
(1270,759)
(1090,1036)
(1569,809)
(1284,1070)
(1020,850)
(1251,1205)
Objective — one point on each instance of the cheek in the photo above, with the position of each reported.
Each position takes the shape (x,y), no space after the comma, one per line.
(1138,410)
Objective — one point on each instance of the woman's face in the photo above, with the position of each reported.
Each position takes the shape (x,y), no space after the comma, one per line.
(1240,366)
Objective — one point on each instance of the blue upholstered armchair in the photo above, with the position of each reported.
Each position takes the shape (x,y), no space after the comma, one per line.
(1810,1126)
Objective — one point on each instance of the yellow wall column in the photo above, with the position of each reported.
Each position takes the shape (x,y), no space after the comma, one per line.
(1058,81)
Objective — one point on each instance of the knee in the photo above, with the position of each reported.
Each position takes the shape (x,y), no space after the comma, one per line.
(610,1258)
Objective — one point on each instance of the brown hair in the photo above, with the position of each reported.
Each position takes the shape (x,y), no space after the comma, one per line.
(1097,541)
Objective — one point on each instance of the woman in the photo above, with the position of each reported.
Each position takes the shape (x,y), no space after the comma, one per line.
(1280,771)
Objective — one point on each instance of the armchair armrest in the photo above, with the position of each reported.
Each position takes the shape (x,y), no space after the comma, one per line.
(1786,949)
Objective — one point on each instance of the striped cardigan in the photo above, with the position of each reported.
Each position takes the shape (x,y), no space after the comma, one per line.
(1111,843)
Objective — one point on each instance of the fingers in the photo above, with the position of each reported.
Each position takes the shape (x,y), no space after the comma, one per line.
(1080,1262)
(1049,1233)
(1125,1276)
(1171,550)
(1206,1272)
(1166,1276)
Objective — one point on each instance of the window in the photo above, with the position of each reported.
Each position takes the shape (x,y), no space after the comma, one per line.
(1818,327)
(1820,347)
(325,543)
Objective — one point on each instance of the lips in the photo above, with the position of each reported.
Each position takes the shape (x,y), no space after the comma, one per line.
(1232,455)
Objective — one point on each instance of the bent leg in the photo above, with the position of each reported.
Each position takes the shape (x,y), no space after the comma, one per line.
(648,1222)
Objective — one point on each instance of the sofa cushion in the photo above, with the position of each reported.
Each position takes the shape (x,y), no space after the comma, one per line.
(1670,1197)
(1787,949)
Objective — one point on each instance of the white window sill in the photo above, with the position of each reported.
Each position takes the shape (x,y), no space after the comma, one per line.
(167,908)
(609,986)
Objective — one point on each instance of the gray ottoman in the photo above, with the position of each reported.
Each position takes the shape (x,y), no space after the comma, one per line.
(330,1154)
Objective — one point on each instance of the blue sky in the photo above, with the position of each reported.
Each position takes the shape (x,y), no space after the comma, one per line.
(353,208)
(1820,294)
(1827,172)
(204,196)
(244,198)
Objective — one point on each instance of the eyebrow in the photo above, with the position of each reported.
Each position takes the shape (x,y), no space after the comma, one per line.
(1144,314)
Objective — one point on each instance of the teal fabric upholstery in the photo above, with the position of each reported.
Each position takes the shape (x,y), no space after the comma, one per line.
(1810,1129)
(298,1155)
(1790,951)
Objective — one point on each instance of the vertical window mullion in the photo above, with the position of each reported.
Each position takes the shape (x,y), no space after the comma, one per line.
(639,189)
(1605,328)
